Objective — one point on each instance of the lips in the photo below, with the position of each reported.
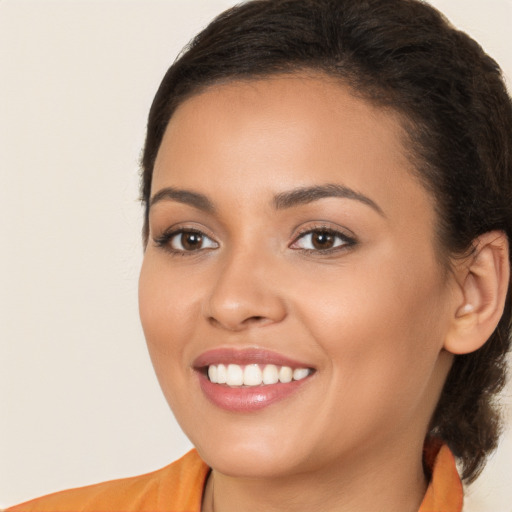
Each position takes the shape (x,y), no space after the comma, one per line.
(250,379)
(245,357)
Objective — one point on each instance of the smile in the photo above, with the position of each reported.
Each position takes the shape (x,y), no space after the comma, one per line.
(254,374)
(250,379)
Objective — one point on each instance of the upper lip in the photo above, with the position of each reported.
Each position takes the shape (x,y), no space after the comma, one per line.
(244,357)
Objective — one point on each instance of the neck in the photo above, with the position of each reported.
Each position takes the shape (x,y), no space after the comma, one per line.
(389,482)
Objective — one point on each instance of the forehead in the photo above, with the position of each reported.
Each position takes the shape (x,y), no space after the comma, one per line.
(309,104)
(282,132)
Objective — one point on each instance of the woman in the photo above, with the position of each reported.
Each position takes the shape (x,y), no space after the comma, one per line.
(325,286)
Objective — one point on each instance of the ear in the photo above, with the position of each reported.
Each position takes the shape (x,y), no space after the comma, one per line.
(484,279)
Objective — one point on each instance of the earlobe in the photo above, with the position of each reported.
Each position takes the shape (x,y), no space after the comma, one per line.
(484,279)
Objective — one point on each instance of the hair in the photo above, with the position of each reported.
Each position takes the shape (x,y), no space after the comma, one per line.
(451,97)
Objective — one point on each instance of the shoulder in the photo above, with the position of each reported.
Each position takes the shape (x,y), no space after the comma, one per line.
(177,488)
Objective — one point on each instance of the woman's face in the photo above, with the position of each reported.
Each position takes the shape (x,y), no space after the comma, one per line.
(287,230)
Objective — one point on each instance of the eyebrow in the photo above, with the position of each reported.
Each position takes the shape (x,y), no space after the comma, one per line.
(283,200)
(305,195)
(195,199)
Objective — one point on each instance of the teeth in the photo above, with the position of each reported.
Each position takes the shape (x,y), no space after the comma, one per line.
(252,375)
(222,374)
(235,375)
(212,374)
(285,374)
(300,373)
(270,374)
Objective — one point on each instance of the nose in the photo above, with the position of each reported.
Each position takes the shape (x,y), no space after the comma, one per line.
(244,294)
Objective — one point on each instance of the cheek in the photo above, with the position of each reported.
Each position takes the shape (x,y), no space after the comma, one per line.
(167,319)
(379,327)
(166,309)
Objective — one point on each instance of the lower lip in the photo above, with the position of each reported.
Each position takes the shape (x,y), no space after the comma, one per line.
(247,399)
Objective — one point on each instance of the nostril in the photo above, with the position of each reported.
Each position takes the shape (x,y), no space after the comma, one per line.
(236,326)
(248,307)
(255,320)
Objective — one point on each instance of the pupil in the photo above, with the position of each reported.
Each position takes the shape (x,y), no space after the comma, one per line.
(191,241)
(323,240)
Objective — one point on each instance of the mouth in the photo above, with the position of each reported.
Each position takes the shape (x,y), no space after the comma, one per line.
(250,379)
(250,375)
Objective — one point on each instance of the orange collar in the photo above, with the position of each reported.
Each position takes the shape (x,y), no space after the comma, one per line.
(444,493)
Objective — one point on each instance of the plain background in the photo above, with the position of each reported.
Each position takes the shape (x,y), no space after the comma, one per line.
(78,399)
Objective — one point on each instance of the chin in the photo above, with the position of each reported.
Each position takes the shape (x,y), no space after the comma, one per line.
(249,463)
(253,456)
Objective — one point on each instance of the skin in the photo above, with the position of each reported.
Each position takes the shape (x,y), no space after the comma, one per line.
(370,317)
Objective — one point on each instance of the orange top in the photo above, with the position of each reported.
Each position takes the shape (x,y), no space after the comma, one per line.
(444,494)
(179,488)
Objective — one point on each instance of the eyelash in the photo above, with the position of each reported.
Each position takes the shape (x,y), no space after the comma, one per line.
(164,240)
(347,241)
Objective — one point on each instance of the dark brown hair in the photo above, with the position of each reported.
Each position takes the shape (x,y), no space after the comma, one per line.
(404,55)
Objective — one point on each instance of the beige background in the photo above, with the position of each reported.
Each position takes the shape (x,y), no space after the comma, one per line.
(78,399)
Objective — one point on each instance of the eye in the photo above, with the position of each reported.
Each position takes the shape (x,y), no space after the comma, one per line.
(322,239)
(186,240)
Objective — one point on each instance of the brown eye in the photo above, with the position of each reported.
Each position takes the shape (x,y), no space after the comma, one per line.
(191,241)
(322,240)
(188,241)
